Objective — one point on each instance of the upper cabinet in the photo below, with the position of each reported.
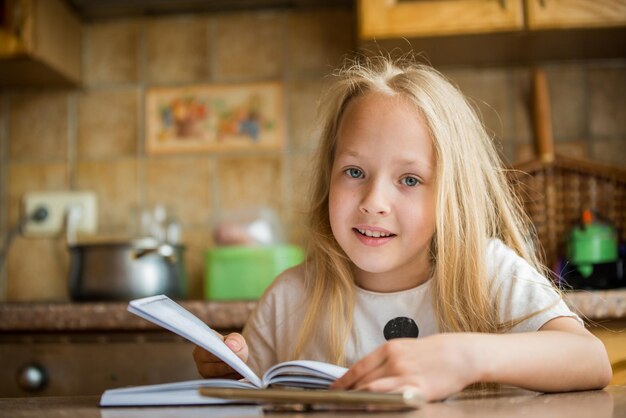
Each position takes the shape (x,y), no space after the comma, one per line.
(494,31)
(392,18)
(40,44)
(566,14)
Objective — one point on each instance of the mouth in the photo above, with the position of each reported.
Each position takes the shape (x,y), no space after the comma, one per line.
(373,234)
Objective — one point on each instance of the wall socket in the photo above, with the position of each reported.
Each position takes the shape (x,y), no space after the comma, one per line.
(58,205)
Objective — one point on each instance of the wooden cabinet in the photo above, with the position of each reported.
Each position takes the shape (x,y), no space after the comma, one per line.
(50,349)
(386,19)
(392,18)
(88,363)
(494,32)
(567,14)
(40,44)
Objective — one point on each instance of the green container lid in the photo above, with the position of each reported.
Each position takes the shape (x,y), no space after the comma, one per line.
(244,272)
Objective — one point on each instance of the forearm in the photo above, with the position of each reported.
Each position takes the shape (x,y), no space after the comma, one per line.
(546,361)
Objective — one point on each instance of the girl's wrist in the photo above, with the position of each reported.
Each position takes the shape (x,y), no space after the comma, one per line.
(481,357)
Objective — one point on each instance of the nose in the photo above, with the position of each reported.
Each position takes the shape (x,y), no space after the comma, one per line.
(375,200)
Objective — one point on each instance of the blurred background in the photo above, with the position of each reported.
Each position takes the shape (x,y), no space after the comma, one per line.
(79,123)
(75,82)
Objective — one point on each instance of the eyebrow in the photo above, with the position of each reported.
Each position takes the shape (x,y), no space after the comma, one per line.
(403,161)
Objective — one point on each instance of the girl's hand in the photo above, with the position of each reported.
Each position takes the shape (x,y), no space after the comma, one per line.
(209,365)
(435,366)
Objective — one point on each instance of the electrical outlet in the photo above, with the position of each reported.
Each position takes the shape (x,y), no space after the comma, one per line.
(58,204)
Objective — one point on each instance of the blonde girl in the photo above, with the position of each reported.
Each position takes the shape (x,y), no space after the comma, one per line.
(422,271)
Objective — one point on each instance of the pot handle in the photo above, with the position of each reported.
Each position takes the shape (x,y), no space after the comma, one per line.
(165,250)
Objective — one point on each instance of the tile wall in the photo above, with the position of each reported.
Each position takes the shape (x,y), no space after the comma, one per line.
(93,137)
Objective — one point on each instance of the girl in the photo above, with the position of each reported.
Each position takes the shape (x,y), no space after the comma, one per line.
(421,274)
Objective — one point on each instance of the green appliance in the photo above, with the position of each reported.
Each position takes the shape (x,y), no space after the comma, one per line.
(592,242)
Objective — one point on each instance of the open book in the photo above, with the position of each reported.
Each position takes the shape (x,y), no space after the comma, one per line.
(163,311)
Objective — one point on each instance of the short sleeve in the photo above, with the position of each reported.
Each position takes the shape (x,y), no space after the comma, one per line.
(261,338)
(273,326)
(522,292)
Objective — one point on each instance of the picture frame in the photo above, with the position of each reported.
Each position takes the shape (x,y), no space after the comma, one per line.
(214,118)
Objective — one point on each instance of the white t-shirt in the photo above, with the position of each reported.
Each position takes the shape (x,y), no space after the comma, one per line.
(273,328)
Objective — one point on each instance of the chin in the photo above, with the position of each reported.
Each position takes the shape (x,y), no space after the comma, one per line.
(371,267)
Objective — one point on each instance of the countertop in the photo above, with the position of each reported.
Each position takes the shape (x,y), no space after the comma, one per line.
(112,316)
(506,402)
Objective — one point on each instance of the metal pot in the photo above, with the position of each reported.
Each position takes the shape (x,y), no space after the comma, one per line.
(126,270)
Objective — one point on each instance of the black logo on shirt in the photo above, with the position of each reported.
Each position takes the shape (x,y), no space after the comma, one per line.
(401,327)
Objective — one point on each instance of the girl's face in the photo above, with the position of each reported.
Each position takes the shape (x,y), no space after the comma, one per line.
(382,192)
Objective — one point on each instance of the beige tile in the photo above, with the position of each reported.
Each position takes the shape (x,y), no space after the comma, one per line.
(32,177)
(525,152)
(567,88)
(183,185)
(304,128)
(318,40)
(522,108)
(38,126)
(177,50)
(576,149)
(107,123)
(37,270)
(253,181)
(609,151)
(249,45)
(300,174)
(607,89)
(489,91)
(197,241)
(116,185)
(507,151)
(112,52)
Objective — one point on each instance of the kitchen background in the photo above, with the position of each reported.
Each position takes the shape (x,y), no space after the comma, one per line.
(92,137)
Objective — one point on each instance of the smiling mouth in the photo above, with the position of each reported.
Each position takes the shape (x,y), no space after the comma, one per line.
(373,234)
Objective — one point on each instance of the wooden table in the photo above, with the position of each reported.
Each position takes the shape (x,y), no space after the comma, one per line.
(506,402)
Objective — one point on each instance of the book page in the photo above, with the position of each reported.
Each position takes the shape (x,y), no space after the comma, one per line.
(178,393)
(308,372)
(168,314)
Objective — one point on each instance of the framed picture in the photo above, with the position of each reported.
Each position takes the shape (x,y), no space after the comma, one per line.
(214,118)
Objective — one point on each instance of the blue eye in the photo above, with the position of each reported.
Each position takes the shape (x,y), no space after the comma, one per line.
(355,173)
(410,181)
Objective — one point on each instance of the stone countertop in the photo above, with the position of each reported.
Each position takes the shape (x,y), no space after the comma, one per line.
(113,316)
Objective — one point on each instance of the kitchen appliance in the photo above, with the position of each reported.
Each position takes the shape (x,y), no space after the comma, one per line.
(593,257)
(122,271)
(592,242)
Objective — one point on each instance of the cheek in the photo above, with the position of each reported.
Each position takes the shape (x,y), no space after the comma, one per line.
(333,209)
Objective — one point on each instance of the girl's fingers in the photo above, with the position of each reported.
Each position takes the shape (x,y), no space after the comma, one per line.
(360,370)
(386,384)
(200,355)
(238,345)
(219,369)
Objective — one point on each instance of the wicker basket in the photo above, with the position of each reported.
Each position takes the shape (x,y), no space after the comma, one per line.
(556,193)
(556,190)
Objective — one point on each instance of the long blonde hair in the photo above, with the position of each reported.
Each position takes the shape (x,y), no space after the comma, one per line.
(474,203)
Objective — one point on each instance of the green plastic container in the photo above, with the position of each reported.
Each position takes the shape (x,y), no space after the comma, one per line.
(243,273)
(592,244)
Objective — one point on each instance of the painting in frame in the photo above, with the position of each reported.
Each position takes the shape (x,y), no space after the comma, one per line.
(214,118)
